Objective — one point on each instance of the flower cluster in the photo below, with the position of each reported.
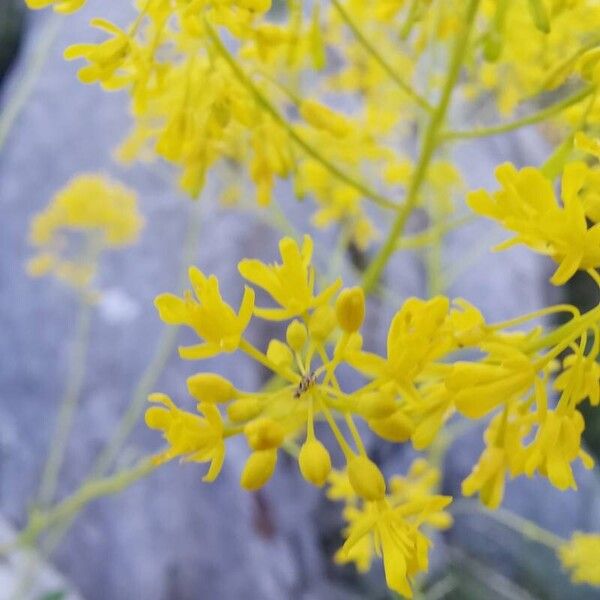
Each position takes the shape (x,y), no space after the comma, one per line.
(90,214)
(202,105)
(527,206)
(322,334)
(408,394)
(537,45)
(247,89)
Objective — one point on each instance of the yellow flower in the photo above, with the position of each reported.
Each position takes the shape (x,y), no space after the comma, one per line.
(105,59)
(291,284)
(488,477)
(90,203)
(581,376)
(503,454)
(195,438)
(556,445)
(322,117)
(421,481)
(59,6)
(208,315)
(91,213)
(476,388)
(416,336)
(527,206)
(580,555)
(392,533)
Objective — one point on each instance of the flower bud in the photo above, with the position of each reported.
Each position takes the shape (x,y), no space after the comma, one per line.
(321,323)
(395,428)
(350,309)
(539,14)
(296,335)
(210,387)
(314,462)
(264,434)
(376,405)
(244,409)
(279,353)
(258,469)
(366,478)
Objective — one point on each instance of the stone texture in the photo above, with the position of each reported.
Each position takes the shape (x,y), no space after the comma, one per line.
(170,537)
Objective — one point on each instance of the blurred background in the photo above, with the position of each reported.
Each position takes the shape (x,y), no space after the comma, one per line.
(170,537)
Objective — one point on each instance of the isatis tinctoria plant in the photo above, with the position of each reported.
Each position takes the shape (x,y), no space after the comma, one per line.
(352,104)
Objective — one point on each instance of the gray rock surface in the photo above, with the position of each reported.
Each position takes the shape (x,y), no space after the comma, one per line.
(170,537)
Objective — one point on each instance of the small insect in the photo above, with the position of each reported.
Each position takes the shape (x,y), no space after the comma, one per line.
(305,384)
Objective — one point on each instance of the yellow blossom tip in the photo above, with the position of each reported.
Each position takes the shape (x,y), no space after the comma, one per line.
(259,468)
(264,434)
(366,478)
(314,462)
(210,387)
(350,309)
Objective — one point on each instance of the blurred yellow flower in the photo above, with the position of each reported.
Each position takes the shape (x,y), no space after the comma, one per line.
(91,213)
(580,555)
(59,6)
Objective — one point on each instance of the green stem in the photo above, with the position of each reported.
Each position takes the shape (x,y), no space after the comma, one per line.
(42,520)
(268,107)
(432,233)
(16,102)
(68,405)
(380,59)
(566,333)
(430,141)
(538,117)
(517,523)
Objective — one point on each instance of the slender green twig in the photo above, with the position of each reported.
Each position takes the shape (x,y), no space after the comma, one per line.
(380,59)
(430,141)
(16,101)
(268,107)
(41,520)
(517,523)
(537,117)
(429,235)
(69,403)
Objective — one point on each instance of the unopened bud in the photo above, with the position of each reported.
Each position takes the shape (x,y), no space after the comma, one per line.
(210,387)
(395,428)
(279,353)
(259,468)
(264,434)
(244,409)
(350,309)
(296,335)
(314,462)
(376,405)
(322,323)
(366,478)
